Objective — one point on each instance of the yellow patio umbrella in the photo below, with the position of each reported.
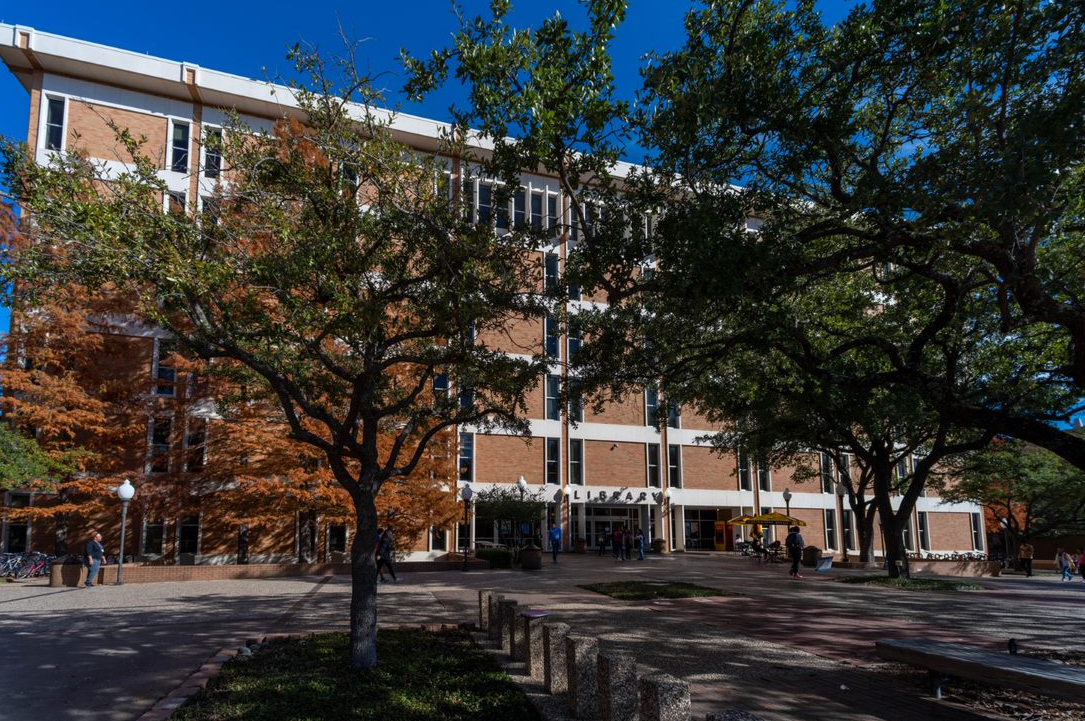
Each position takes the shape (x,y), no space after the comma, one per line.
(743,520)
(774,519)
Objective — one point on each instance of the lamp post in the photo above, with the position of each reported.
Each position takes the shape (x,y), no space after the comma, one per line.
(125,491)
(466,495)
(787,501)
(667,493)
(841,491)
(521,483)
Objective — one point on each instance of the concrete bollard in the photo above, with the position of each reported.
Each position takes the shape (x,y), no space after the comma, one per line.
(580,666)
(663,697)
(554,676)
(494,623)
(617,677)
(532,636)
(485,598)
(507,612)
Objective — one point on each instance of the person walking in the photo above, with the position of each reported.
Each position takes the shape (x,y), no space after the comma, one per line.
(627,543)
(616,540)
(93,554)
(602,541)
(1080,560)
(1025,553)
(555,540)
(1064,564)
(638,541)
(794,543)
(387,551)
(377,557)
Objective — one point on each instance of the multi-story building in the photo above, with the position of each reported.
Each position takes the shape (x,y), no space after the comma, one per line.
(594,469)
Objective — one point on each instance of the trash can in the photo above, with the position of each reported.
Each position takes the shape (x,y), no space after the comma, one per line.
(810,556)
(531,557)
(658,545)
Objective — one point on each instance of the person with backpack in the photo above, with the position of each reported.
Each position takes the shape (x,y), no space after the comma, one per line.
(1065,564)
(638,541)
(554,536)
(794,544)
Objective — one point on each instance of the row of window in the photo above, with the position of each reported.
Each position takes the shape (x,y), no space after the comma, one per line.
(179,147)
(194,446)
(552,462)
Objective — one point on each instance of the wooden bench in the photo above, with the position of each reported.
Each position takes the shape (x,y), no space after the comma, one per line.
(945,660)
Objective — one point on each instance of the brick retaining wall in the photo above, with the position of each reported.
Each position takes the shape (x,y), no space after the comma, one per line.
(72,574)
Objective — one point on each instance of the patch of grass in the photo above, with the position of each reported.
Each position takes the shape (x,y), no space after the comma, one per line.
(649,591)
(912,584)
(421,676)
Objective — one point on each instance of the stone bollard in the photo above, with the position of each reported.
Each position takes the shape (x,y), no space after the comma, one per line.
(485,598)
(494,623)
(554,676)
(663,697)
(580,667)
(532,637)
(506,610)
(617,674)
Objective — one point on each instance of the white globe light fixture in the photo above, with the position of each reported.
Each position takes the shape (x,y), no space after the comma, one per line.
(787,501)
(466,494)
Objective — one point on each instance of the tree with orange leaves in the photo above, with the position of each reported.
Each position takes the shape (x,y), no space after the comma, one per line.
(57,394)
(337,272)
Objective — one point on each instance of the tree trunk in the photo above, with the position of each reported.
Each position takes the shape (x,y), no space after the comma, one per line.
(896,556)
(866,533)
(363,585)
(307,545)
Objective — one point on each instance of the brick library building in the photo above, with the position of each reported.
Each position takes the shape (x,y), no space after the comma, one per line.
(594,470)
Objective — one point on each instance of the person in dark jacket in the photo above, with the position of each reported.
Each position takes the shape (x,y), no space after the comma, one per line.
(794,544)
(387,552)
(93,554)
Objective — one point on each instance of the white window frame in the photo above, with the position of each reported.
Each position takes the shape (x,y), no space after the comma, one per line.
(151,446)
(832,533)
(174,122)
(460,457)
(207,129)
(572,477)
(190,422)
(143,537)
(670,476)
(648,465)
(924,528)
(548,461)
(155,380)
(552,400)
(43,129)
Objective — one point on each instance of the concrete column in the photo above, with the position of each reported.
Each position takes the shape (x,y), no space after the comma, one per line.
(582,518)
(581,664)
(617,678)
(554,676)
(532,643)
(494,623)
(663,698)
(485,598)
(471,527)
(660,521)
(507,611)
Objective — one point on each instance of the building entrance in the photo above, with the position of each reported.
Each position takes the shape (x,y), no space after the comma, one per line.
(602,521)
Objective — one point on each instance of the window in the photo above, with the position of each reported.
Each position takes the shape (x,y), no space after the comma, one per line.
(502,212)
(553,460)
(212,210)
(196,446)
(519,221)
(769,531)
(674,415)
(576,461)
(977,531)
(651,407)
(653,465)
(553,397)
(551,273)
(154,537)
(902,468)
(485,203)
(467,457)
(574,291)
(576,339)
(830,528)
(924,532)
(845,469)
(160,445)
(552,342)
(744,479)
(908,543)
(576,401)
(212,153)
(188,535)
(54,124)
(176,201)
(179,148)
(537,212)
(552,216)
(674,466)
(440,386)
(764,475)
(827,485)
(337,539)
(467,399)
(165,373)
(849,541)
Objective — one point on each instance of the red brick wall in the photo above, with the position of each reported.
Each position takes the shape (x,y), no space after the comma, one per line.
(87,130)
(950,531)
(608,463)
(629,412)
(704,469)
(503,459)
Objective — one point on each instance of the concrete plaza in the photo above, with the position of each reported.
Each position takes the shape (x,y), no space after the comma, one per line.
(781,649)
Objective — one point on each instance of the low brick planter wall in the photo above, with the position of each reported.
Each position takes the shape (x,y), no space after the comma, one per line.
(973,569)
(72,575)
